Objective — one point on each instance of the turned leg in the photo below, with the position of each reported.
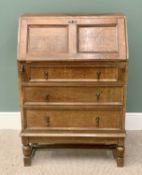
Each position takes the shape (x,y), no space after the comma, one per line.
(120,156)
(27,151)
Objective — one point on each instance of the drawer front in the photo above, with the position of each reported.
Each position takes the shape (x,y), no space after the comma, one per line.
(73,119)
(76,73)
(73,94)
(68,72)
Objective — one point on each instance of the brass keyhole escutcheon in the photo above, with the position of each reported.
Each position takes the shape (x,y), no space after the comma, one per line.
(72,21)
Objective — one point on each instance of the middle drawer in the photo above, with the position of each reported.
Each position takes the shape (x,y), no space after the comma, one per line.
(73,94)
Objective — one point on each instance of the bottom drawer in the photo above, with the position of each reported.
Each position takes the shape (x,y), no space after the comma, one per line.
(73,119)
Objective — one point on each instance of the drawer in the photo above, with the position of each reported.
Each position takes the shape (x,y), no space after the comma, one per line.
(74,72)
(73,119)
(73,94)
(51,73)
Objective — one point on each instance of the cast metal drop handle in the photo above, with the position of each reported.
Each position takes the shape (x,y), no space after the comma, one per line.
(98,95)
(47,97)
(97,121)
(47,118)
(46,75)
(98,74)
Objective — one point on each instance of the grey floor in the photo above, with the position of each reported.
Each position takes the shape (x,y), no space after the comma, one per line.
(69,161)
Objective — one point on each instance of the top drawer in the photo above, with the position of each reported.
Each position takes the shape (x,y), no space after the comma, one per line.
(47,72)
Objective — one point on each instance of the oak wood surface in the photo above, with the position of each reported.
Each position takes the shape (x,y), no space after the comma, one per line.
(73,73)
(72,118)
(74,94)
(99,46)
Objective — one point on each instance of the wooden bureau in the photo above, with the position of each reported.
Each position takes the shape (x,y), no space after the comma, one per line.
(73,81)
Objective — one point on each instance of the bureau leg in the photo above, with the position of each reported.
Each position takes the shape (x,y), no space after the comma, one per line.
(120,156)
(27,151)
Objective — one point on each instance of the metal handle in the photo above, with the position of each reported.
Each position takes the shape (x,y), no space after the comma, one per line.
(46,75)
(98,74)
(98,95)
(97,121)
(47,118)
(47,97)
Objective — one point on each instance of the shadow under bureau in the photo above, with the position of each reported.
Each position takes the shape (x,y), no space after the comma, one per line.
(73,81)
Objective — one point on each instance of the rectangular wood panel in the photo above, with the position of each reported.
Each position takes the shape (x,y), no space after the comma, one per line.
(50,39)
(97,39)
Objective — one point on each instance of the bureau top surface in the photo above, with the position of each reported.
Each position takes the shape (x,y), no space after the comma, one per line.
(73,14)
(72,37)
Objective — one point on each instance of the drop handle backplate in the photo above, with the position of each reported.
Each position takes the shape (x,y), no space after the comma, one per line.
(46,75)
(47,120)
(98,74)
(97,121)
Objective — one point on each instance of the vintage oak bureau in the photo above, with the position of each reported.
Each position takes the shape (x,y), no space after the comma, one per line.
(73,81)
